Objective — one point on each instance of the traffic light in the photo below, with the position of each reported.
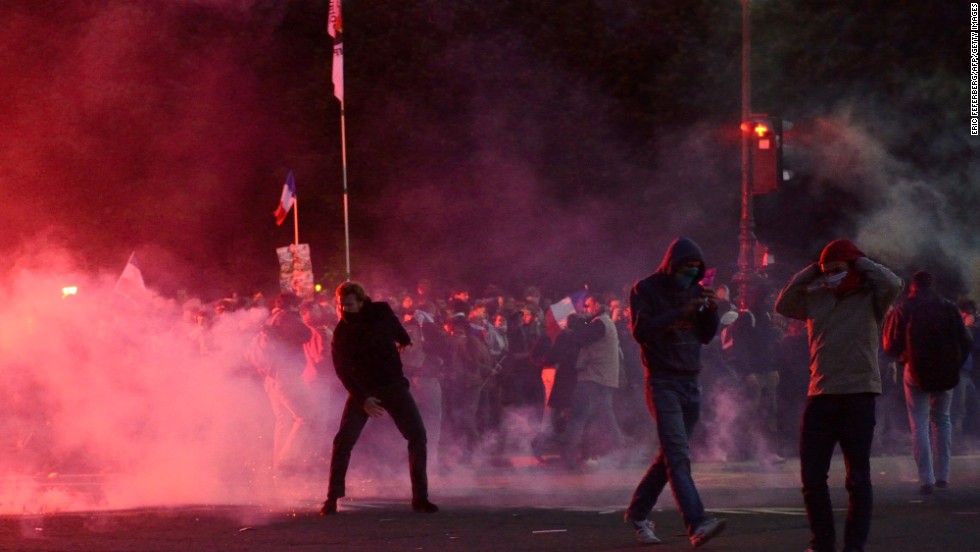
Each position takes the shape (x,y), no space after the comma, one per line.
(765,152)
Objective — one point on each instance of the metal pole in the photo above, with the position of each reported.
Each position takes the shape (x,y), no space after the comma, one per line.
(746,226)
(343,161)
(335,30)
(296,220)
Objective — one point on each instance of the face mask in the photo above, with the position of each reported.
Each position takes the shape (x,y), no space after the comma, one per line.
(834,280)
(685,277)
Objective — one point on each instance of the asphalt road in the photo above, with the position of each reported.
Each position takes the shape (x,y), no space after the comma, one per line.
(529,507)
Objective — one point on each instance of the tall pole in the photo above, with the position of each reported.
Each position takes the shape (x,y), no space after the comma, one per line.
(335,29)
(746,225)
(343,162)
(296,220)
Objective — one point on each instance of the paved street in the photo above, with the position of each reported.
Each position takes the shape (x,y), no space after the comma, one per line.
(529,507)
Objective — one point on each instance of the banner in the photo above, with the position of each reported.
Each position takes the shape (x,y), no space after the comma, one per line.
(296,270)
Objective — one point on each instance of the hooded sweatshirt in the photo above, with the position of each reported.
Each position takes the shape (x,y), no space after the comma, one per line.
(844,328)
(670,342)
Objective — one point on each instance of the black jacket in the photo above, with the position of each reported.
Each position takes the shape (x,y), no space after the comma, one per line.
(670,343)
(364,351)
(926,333)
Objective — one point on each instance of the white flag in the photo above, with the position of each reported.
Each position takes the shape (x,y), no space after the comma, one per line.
(130,282)
(335,29)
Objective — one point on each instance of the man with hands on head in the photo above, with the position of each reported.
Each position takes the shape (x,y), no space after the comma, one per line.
(365,349)
(843,298)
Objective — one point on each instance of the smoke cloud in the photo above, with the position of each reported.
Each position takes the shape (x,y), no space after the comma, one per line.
(132,125)
(855,184)
(164,127)
(114,391)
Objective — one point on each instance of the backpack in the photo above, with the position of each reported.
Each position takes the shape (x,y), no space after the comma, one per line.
(934,345)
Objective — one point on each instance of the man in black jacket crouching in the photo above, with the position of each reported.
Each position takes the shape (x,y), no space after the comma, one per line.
(365,348)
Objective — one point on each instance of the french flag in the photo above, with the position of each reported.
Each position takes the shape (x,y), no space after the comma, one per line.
(287,199)
(556,318)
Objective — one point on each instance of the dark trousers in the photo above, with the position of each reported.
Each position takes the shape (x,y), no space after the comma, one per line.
(405,413)
(827,421)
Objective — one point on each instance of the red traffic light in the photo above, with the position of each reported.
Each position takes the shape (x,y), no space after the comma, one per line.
(761,130)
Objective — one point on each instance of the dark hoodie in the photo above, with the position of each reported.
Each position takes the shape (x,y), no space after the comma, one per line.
(671,343)
(364,352)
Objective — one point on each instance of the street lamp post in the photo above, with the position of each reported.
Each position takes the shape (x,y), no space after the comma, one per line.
(746,224)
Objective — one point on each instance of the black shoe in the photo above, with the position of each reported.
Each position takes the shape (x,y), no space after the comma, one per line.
(422,505)
(942,484)
(329,507)
(925,490)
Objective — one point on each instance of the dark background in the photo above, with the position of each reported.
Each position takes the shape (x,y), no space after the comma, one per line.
(559,143)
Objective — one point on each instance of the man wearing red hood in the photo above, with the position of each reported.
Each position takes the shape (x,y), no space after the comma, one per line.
(843,298)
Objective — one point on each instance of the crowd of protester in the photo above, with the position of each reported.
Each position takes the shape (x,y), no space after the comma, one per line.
(492,384)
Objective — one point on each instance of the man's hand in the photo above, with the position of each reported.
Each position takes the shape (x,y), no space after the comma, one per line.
(709,298)
(373,407)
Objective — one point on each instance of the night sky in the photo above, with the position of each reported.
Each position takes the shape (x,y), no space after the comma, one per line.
(559,143)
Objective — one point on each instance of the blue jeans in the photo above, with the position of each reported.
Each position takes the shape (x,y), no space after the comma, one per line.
(929,410)
(827,421)
(966,405)
(676,407)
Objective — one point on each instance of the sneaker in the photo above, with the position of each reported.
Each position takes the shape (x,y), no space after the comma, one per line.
(422,505)
(644,531)
(709,529)
(925,490)
(772,460)
(329,507)
(942,484)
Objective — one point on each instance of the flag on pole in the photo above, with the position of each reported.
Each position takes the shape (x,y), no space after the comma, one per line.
(130,282)
(335,29)
(286,200)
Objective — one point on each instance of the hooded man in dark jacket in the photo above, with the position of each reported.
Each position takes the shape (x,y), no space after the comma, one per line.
(365,352)
(672,317)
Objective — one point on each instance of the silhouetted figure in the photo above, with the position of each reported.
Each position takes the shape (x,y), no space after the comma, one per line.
(286,336)
(927,335)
